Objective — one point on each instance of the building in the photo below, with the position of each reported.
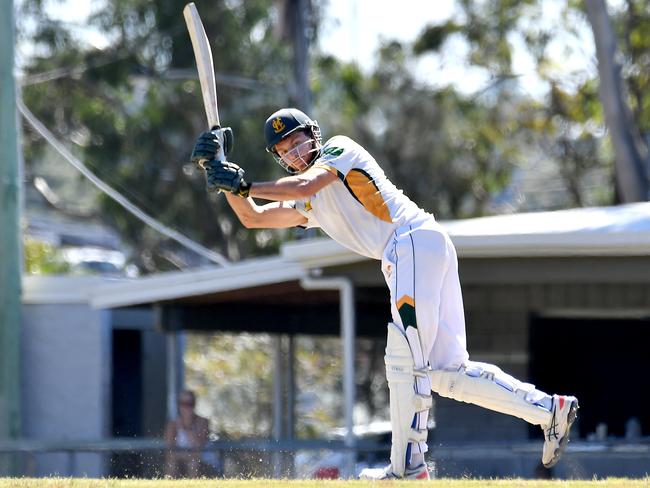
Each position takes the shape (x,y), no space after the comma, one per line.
(562,297)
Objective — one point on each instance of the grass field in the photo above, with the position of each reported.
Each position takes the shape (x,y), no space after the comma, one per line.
(264,483)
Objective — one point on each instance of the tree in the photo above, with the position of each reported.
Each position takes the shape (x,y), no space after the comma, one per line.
(440,146)
(566,127)
(632,161)
(134,109)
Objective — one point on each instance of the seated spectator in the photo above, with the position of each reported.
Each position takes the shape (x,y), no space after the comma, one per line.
(185,437)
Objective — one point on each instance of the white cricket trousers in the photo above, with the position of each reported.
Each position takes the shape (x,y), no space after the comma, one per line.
(421,269)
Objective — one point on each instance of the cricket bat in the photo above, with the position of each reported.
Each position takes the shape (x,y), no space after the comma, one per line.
(204,63)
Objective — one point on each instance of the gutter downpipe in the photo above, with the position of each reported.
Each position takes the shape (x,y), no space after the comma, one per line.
(347,312)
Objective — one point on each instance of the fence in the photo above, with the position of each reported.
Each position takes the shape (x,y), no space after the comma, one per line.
(144,457)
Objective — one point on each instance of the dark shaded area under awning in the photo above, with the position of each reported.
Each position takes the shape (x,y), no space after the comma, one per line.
(283,308)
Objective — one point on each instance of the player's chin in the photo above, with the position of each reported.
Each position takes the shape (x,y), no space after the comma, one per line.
(299,168)
(302,165)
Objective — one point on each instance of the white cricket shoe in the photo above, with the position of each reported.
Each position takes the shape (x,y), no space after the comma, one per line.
(420,472)
(556,434)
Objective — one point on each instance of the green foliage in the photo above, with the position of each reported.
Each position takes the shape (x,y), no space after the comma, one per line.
(134,121)
(319,375)
(42,259)
(232,376)
(133,111)
(434,36)
(633,28)
(234,373)
(450,153)
(456,154)
(567,129)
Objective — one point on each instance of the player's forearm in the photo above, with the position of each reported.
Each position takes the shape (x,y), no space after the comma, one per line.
(288,188)
(245,209)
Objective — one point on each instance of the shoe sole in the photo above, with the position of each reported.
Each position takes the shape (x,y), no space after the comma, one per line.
(573,414)
(422,475)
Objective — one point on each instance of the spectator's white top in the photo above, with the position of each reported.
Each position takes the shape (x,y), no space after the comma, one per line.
(362,208)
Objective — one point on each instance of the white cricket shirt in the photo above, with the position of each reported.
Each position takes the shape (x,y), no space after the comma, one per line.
(362,208)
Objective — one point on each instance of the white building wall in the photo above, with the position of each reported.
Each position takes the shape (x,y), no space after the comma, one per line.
(65,355)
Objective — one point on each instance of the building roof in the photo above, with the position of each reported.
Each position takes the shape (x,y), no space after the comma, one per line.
(608,231)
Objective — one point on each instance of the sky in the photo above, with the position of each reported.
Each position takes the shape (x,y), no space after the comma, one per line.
(354,28)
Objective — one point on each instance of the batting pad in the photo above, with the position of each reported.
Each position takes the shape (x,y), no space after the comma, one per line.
(422,386)
(406,405)
(489,387)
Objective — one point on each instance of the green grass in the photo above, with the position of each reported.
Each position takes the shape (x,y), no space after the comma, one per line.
(265,483)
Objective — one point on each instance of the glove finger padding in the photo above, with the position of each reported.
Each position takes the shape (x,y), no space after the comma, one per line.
(215,144)
(205,148)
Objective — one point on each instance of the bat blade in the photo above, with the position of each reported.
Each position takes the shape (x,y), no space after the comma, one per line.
(204,63)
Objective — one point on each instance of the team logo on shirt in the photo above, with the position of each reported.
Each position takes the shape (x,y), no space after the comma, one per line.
(308,206)
(333,151)
(278,125)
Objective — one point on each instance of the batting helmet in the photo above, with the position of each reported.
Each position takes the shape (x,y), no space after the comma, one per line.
(286,121)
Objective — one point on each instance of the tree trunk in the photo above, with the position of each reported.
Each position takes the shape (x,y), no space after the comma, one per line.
(629,148)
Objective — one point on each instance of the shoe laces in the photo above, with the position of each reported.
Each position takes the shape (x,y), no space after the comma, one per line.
(551,431)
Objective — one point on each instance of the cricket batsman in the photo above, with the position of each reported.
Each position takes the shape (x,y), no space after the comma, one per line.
(339,187)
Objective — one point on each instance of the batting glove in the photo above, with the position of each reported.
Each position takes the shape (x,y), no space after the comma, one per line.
(213,145)
(226,176)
